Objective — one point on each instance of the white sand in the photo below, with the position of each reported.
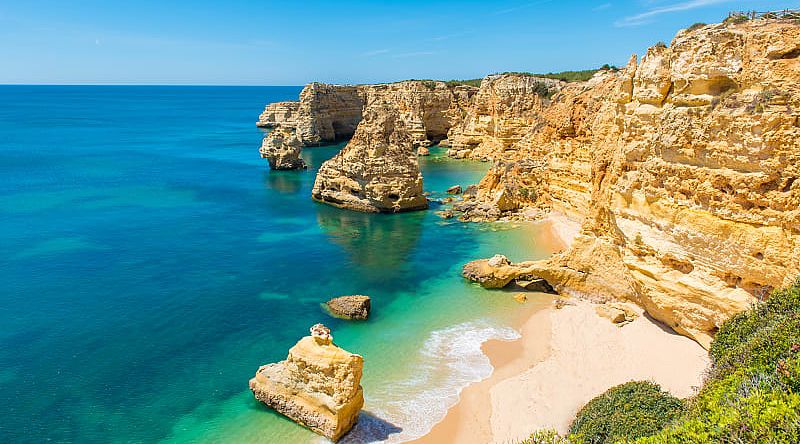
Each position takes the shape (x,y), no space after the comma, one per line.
(589,355)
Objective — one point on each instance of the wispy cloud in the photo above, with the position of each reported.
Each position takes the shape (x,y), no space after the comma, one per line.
(413,54)
(519,7)
(375,52)
(601,7)
(648,16)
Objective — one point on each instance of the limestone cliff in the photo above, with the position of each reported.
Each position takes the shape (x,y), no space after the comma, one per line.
(503,110)
(682,168)
(324,114)
(318,385)
(378,170)
(282,149)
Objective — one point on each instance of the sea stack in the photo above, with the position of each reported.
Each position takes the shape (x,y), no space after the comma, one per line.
(317,386)
(282,150)
(350,307)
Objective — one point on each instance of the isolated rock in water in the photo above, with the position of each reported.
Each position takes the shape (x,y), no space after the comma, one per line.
(350,307)
(317,386)
(423,151)
(282,149)
(377,171)
(455,189)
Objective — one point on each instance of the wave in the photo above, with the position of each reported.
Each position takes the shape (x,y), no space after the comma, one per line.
(450,360)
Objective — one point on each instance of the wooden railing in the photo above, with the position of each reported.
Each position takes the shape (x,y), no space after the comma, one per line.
(785,14)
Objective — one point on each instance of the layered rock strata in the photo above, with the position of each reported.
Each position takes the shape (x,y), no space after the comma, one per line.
(324,114)
(502,111)
(282,150)
(318,385)
(378,170)
(683,168)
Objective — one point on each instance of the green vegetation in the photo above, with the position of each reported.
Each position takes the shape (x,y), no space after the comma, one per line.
(627,411)
(660,45)
(751,395)
(696,26)
(471,82)
(735,19)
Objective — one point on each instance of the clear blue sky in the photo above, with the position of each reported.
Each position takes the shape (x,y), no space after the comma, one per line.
(294,42)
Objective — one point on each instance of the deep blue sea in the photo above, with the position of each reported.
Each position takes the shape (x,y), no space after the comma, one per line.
(150,262)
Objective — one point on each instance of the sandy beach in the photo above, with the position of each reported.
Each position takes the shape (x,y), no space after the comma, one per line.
(565,358)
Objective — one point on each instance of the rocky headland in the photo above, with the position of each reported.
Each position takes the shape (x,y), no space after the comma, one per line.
(318,385)
(681,168)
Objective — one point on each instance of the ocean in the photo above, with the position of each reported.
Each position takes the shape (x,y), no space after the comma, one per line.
(150,262)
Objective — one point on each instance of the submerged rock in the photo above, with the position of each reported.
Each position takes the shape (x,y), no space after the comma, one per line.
(282,150)
(317,386)
(455,189)
(350,307)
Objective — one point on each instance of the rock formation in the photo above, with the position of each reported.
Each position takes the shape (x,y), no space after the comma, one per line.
(350,307)
(683,169)
(279,114)
(324,114)
(378,170)
(282,150)
(501,113)
(318,385)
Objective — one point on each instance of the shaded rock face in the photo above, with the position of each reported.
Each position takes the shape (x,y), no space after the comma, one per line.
(324,114)
(318,385)
(282,150)
(378,170)
(683,168)
(350,307)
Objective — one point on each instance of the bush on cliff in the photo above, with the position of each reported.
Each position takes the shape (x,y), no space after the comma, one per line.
(627,411)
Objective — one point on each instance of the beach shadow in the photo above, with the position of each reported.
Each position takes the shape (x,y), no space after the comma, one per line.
(370,428)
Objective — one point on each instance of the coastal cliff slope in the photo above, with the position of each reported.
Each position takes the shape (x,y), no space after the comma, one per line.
(378,170)
(503,110)
(682,168)
(324,114)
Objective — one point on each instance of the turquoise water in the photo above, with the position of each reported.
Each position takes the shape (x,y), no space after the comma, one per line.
(150,263)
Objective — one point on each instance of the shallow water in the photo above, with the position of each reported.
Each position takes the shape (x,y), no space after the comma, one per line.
(150,263)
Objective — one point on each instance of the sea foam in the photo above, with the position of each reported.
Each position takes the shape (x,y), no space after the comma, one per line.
(449,361)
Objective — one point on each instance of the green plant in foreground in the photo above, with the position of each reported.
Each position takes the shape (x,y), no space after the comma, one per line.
(627,411)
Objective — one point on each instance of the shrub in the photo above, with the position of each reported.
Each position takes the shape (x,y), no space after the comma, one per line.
(660,45)
(735,19)
(627,411)
(696,26)
(546,437)
(470,82)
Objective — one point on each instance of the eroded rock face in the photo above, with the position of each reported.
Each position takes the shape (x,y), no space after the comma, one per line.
(283,114)
(282,150)
(318,385)
(503,110)
(378,170)
(324,114)
(350,307)
(683,168)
